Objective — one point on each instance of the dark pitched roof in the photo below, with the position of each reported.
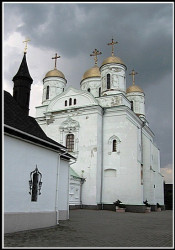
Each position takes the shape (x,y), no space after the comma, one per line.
(23,71)
(16,118)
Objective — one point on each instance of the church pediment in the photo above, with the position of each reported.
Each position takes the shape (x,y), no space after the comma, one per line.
(72,98)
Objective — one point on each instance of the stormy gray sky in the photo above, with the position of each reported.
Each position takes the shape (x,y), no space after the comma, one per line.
(144,32)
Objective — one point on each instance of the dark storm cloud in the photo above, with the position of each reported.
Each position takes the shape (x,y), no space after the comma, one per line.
(158,103)
(142,30)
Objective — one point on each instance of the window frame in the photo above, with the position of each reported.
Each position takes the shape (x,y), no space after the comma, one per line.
(70,142)
(47,92)
(108,85)
(114,145)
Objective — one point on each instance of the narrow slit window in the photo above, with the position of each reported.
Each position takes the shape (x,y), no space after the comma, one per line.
(108,81)
(114,146)
(66,103)
(99,92)
(75,101)
(132,105)
(70,101)
(47,93)
(70,142)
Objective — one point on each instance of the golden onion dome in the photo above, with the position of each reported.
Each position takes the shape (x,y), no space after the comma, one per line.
(55,72)
(112,59)
(92,72)
(134,88)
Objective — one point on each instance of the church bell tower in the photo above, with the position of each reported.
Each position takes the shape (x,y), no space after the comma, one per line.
(113,72)
(22,84)
(54,83)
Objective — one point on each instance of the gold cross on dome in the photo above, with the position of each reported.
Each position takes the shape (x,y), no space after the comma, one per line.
(26,41)
(133,73)
(55,59)
(112,43)
(95,54)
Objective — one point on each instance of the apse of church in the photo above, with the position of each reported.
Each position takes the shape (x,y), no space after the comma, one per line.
(103,124)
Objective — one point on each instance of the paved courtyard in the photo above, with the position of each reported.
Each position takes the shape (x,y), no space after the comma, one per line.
(101,228)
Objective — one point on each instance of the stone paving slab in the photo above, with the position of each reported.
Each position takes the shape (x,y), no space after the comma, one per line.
(101,228)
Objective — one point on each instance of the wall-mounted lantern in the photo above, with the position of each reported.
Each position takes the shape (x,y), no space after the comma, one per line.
(35,184)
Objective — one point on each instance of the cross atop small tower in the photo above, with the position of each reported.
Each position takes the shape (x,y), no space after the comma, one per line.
(26,41)
(95,54)
(112,43)
(55,59)
(133,73)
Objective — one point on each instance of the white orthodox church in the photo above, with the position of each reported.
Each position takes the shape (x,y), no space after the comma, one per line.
(103,125)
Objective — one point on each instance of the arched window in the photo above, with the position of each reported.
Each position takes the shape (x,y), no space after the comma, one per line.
(75,101)
(66,103)
(99,92)
(108,81)
(114,146)
(89,90)
(70,101)
(47,93)
(70,142)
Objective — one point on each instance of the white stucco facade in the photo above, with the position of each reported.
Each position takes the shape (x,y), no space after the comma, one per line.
(114,148)
(20,212)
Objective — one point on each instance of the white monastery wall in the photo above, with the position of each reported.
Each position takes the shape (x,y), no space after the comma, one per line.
(88,142)
(148,173)
(21,168)
(17,200)
(88,160)
(121,181)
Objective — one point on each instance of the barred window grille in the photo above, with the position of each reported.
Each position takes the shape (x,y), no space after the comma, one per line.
(70,142)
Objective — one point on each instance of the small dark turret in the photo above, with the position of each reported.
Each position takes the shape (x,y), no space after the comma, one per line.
(22,85)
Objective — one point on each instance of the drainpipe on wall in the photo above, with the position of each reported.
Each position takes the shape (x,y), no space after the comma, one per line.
(101,191)
(143,124)
(57,182)
(69,186)
(81,184)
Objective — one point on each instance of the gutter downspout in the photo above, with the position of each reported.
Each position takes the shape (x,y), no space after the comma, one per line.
(143,124)
(101,191)
(69,186)
(57,182)
(81,183)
